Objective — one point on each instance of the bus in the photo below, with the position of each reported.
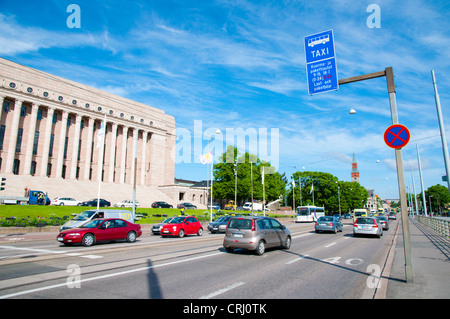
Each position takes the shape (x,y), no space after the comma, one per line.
(359,212)
(319,40)
(309,213)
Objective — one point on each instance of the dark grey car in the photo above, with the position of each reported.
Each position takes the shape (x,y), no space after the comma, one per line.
(256,233)
(219,225)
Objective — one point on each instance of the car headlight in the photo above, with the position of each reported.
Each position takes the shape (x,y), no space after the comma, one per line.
(74,234)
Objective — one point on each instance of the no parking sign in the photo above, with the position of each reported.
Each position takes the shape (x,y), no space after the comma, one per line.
(397,136)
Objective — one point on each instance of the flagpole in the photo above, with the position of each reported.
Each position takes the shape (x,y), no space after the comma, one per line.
(100,163)
(212,163)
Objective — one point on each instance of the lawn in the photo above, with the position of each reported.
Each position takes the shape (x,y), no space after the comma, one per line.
(33,215)
(30,215)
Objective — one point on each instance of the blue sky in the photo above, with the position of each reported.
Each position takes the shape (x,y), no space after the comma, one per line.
(241,64)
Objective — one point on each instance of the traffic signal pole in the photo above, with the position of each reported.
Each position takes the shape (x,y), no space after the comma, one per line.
(389,74)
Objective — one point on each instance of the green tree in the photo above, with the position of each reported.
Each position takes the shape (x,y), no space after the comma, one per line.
(235,162)
(324,188)
(438,197)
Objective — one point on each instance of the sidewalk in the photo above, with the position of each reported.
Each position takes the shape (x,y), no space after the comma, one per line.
(430,254)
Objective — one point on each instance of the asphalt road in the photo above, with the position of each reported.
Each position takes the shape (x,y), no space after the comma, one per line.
(316,266)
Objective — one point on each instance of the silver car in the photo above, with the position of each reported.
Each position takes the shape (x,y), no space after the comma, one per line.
(328,223)
(156,228)
(256,233)
(367,226)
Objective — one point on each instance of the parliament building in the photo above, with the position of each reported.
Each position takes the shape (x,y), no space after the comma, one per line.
(49,141)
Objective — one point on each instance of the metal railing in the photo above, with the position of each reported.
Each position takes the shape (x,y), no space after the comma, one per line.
(439,225)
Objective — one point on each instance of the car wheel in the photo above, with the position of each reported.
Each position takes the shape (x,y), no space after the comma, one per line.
(287,243)
(88,240)
(200,232)
(261,248)
(181,233)
(61,204)
(131,237)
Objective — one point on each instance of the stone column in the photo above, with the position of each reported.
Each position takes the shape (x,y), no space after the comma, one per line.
(47,136)
(87,159)
(13,136)
(112,152)
(62,141)
(76,143)
(30,139)
(123,160)
(144,156)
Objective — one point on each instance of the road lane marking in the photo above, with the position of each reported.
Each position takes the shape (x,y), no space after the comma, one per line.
(106,276)
(329,245)
(221,291)
(302,235)
(46,251)
(297,259)
(91,256)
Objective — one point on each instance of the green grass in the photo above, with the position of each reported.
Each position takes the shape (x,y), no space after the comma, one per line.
(30,215)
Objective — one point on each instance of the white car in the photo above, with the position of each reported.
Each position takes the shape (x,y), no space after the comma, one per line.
(126,203)
(65,201)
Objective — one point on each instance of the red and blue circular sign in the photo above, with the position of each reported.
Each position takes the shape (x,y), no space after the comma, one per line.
(397,136)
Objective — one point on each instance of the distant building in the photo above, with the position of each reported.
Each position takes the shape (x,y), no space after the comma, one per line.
(355,172)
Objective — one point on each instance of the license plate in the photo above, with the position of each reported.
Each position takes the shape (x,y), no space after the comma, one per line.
(367,227)
(238,235)
(166,231)
(60,239)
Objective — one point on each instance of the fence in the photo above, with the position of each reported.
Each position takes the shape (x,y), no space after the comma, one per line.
(437,224)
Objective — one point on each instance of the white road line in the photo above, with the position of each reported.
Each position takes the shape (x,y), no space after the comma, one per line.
(302,235)
(46,251)
(106,276)
(329,245)
(91,256)
(297,259)
(221,291)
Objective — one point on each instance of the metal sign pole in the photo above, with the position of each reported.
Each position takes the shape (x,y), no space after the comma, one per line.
(409,273)
(389,73)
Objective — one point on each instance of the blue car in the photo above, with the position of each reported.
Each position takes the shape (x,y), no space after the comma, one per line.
(328,224)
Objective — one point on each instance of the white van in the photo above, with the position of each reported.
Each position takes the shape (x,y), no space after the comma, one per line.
(256,206)
(88,215)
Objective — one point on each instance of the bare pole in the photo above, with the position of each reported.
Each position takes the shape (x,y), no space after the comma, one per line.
(442,129)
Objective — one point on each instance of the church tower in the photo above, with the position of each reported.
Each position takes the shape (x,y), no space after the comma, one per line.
(355,172)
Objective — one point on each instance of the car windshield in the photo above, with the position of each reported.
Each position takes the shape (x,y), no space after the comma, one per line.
(177,220)
(369,221)
(325,219)
(93,223)
(165,221)
(240,223)
(85,215)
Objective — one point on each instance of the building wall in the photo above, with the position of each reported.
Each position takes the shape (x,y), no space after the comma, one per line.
(50,128)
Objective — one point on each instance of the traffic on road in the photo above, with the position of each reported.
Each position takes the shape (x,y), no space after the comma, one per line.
(325,265)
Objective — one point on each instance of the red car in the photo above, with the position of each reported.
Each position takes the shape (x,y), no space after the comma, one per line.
(180,226)
(97,230)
